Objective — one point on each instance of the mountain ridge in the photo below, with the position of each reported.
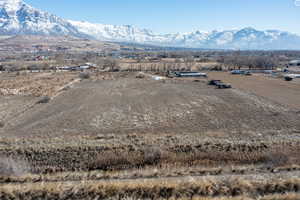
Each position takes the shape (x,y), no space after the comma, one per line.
(246,38)
(19,18)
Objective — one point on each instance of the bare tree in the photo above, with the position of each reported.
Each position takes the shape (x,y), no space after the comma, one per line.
(107,63)
(250,61)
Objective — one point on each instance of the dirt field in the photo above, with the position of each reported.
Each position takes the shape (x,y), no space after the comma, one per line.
(115,136)
(34,84)
(125,104)
(277,90)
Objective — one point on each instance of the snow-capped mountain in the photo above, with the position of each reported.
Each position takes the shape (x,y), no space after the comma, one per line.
(17,17)
(247,38)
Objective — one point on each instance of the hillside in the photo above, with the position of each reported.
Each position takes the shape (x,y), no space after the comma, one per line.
(34,43)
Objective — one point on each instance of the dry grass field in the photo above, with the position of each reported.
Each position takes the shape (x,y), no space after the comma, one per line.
(34,84)
(115,136)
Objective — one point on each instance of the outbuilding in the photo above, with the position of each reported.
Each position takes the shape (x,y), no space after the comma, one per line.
(294,63)
(190,74)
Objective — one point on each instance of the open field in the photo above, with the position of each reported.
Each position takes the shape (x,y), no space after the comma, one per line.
(124,104)
(277,90)
(115,136)
(34,84)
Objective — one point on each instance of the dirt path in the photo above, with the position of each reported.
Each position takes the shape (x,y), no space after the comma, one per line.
(278,90)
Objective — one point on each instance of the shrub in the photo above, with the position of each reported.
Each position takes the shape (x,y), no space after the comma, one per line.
(140,75)
(110,160)
(44,99)
(84,75)
(152,156)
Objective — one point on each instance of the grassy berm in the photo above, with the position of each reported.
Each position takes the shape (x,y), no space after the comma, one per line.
(105,168)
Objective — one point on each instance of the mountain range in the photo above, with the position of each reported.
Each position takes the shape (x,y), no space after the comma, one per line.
(19,18)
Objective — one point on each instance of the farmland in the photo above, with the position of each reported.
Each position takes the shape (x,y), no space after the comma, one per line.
(113,136)
(126,130)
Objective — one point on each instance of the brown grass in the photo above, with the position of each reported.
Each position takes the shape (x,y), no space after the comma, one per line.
(40,84)
(115,167)
(151,189)
(287,196)
(86,154)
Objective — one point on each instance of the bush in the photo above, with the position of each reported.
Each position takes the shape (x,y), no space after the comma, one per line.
(115,70)
(2,124)
(84,75)
(111,160)
(140,76)
(152,156)
(44,99)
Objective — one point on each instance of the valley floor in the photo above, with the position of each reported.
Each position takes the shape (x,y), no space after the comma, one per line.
(115,136)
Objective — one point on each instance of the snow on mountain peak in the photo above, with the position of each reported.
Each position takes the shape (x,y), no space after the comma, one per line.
(17,17)
(11,5)
(125,33)
(11,2)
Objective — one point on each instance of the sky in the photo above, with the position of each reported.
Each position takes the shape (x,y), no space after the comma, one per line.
(172,16)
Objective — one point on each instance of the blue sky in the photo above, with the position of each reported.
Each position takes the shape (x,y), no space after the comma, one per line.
(171,16)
